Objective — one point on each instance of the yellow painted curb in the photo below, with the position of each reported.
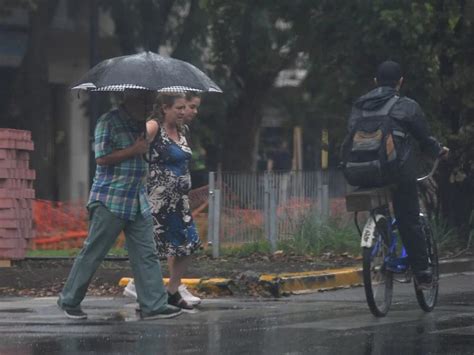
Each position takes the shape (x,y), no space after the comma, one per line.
(217,286)
(277,284)
(213,285)
(313,280)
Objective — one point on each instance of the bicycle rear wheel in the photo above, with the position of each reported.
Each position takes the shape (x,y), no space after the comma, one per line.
(427,298)
(378,281)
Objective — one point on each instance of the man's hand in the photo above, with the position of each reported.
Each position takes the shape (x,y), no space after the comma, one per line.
(140,146)
(443,155)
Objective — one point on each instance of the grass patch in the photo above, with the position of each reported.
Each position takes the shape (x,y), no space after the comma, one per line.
(445,236)
(245,250)
(315,236)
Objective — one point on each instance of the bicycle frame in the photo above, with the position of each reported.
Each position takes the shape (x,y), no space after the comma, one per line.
(394,264)
(383,253)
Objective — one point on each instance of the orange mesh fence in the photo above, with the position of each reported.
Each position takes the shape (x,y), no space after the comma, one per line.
(199,198)
(64,225)
(59,225)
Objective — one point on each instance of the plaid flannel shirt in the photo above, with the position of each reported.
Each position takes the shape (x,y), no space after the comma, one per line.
(120,187)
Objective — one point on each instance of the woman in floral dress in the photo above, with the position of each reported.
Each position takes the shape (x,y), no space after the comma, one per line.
(169,182)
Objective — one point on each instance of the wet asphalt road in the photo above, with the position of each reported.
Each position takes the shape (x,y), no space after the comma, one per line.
(335,322)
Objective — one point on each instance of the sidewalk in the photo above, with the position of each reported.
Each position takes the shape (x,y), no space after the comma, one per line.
(255,276)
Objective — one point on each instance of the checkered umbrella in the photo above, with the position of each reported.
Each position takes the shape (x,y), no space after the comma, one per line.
(146,71)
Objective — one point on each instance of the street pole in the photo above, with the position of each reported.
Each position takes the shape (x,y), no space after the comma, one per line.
(324,172)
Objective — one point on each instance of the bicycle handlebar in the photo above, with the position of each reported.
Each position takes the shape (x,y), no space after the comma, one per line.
(430,174)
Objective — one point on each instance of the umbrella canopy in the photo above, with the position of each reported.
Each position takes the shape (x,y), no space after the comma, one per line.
(147,71)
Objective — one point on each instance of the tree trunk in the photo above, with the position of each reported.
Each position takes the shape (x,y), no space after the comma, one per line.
(242,127)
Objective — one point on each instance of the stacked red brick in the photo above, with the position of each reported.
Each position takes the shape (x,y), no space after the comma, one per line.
(16,193)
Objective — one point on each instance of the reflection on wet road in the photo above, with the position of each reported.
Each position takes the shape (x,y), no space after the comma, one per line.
(323,323)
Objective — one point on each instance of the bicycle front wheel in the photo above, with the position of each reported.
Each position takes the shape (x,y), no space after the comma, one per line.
(427,298)
(378,281)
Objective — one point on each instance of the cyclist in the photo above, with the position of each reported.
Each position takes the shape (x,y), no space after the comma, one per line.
(409,121)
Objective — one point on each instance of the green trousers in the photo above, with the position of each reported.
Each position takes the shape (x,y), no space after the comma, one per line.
(104,229)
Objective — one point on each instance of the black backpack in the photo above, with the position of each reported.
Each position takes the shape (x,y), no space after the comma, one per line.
(369,154)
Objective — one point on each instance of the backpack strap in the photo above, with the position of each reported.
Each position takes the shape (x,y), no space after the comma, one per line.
(384,110)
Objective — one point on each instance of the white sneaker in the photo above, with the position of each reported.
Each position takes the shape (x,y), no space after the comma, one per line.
(130,290)
(188,296)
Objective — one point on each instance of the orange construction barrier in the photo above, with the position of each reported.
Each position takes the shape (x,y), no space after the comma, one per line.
(59,225)
(64,225)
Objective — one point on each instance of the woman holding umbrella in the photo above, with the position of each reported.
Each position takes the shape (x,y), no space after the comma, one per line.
(169,182)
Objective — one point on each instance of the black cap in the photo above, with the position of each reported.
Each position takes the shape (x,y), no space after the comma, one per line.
(388,73)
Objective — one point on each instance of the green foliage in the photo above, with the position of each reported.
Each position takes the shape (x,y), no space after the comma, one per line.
(180,26)
(247,249)
(445,236)
(247,43)
(252,41)
(315,236)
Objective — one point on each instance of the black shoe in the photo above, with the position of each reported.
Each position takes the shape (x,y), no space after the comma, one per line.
(168,312)
(178,301)
(75,313)
(72,313)
(424,279)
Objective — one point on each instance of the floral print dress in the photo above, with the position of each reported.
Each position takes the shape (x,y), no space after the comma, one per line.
(169,182)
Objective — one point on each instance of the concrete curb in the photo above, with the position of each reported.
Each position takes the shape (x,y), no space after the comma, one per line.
(305,282)
(215,286)
(452,266)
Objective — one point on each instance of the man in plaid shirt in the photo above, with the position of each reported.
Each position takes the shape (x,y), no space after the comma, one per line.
(118,202)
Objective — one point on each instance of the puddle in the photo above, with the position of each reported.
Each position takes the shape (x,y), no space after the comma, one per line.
(16,310)
(116,317)
(220,308)
(456,322)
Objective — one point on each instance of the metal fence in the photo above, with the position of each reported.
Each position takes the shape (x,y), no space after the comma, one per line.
(252,207)
(235,208)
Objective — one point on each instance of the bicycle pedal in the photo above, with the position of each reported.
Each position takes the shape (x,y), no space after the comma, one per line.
(404,280)
(397,269)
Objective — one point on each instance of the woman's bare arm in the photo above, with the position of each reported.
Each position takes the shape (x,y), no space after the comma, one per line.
(152,127)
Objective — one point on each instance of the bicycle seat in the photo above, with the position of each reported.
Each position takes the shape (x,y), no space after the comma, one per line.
(367,199)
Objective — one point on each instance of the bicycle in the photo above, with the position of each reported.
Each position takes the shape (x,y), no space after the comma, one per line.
(384,257)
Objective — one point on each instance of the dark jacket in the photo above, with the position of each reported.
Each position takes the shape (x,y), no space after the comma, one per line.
(408,118)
